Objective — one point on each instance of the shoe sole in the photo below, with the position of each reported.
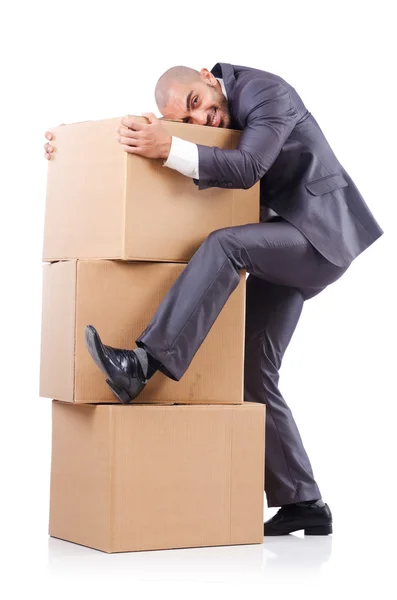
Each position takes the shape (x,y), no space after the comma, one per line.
(317,530)
(97,352)
(322,530)
(121,394)
(95,348)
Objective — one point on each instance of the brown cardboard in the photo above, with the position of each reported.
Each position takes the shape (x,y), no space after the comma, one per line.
(105,203)
(142,477)
(119,298)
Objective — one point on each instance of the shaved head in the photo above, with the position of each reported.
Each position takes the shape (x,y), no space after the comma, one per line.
(192,96)
(177,74)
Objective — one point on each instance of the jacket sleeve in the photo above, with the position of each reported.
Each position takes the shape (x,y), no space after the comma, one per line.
(268,117)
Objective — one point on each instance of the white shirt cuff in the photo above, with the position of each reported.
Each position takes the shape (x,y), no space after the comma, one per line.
(183,157)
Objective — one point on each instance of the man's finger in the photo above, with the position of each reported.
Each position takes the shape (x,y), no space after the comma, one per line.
(127,141)
(132,124)
(131,149)
(48,135)
(124,131)
(48,147)
(151,117)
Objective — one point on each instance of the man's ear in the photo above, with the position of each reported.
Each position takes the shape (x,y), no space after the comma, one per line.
(207,76)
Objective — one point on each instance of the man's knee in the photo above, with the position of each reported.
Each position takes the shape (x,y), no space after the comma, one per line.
(225,238)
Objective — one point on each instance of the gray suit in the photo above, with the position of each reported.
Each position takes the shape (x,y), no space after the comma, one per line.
(323,224)
(301,178)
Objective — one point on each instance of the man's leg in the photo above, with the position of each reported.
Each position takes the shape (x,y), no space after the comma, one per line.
(275,252)
(272,314)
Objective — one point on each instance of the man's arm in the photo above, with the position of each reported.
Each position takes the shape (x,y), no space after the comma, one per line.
(269,117)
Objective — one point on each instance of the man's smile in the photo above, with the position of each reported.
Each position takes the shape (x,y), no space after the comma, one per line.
(214,120)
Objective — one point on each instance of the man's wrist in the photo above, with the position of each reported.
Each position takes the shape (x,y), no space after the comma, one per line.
(167,148)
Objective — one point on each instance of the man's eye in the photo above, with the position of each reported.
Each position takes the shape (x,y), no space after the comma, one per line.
(195,100)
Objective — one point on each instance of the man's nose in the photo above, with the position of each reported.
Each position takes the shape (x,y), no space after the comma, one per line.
(200,117)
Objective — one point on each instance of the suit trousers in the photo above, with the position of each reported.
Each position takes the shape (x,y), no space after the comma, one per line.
(284,271)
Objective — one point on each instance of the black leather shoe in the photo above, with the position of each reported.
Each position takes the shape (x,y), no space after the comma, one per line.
(125,373)
(314,519)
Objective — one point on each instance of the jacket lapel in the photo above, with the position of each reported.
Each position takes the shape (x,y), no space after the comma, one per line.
(226,72)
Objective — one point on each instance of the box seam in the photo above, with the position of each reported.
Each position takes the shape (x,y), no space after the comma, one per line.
(124,212)
(243,281)
(51,466)
(231,473)
(111,544)
(75,331)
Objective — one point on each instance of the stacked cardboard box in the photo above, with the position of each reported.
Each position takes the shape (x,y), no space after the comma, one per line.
(183,465)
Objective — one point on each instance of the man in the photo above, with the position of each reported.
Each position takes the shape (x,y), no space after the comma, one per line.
(314,222)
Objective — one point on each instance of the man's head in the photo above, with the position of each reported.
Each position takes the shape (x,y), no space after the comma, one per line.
(193,96)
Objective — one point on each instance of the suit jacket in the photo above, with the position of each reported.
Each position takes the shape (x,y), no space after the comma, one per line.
(300,177)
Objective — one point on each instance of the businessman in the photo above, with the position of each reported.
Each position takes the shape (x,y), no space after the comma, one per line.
(314,223)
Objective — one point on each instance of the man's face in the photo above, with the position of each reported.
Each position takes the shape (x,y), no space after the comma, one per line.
(201,102)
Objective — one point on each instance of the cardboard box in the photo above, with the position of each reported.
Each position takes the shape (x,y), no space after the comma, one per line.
(139,477)
(105,203)
(119,298)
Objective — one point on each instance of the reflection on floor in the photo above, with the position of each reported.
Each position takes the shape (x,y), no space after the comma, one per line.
(291,554)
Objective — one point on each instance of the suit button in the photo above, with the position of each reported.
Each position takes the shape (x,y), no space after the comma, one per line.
(229,183)
(216,182)
(224,183)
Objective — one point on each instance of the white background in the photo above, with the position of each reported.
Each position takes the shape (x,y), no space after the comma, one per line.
(70,61)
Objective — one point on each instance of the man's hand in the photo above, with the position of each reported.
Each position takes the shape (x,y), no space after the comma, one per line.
(47,147)
(146,139)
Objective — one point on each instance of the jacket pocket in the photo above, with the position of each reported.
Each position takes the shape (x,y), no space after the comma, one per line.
(326,184)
